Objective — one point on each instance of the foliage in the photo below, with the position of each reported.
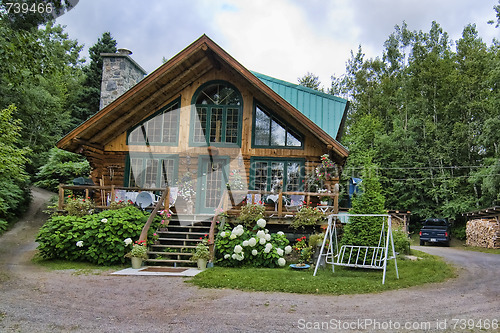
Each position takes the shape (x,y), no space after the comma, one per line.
(362,230)
(79,207)
(327,169)
(139,250)
(201,251)
(303,249)
(101,236)
(250,213)
(307,216)
(458,230)
(14,193)
(39,74)
(61,168)
(32,18)
(343,281)
(259,248)
(427,115)
(316,239)
(87,99)
(401,242)
(310,81)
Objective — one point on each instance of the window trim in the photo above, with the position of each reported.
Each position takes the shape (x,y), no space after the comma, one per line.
(176,143)
(270,160)
(146,156)
(288,128)
(209,107)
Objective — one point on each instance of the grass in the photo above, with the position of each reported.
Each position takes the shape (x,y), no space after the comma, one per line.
(344,281)
(80,268)
(482,249)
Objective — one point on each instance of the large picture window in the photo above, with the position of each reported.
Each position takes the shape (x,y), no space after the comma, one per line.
(217,115)
(269,131)
(274,174)
(161,128)
(152,171)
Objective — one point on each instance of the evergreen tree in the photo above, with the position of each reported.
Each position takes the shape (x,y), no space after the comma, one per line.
(87,101)
(362,230)
(310,81)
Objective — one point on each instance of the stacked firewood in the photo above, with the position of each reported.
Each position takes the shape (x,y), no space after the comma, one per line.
(483,233)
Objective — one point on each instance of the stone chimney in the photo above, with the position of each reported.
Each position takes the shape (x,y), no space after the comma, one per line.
(119,73)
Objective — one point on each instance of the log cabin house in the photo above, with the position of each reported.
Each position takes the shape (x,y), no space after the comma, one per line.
(204,122)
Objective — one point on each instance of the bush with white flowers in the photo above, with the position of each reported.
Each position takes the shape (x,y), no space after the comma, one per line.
(238,246)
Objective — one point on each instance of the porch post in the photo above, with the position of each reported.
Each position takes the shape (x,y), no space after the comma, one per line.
(61,197)
(280,204)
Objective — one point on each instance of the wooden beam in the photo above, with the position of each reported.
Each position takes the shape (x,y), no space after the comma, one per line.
(127,119)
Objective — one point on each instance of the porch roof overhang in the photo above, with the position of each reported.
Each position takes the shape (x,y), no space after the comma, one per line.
(169,80)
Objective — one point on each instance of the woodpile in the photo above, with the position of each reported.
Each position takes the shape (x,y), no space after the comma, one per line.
(483,233)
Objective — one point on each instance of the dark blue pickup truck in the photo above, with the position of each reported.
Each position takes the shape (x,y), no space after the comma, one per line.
(435,231)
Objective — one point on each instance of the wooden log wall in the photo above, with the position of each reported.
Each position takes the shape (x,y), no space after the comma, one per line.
(483,233)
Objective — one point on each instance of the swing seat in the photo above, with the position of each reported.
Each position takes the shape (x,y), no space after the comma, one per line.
(371,257)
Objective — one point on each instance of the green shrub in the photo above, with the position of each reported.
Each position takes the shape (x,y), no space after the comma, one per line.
(61,168)
(459,231)
(307,216)
(79,206)
(401,242)
(97,238)
(241,247)
(250,213)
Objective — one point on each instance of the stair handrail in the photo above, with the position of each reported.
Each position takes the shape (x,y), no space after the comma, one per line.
(211,233)
(149,222)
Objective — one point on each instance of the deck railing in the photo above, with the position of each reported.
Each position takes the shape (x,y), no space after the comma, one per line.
(107,195)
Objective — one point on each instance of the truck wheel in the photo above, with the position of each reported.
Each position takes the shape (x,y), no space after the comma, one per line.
(422,243)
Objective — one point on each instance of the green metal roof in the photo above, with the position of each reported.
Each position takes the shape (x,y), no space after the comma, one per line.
(326,111)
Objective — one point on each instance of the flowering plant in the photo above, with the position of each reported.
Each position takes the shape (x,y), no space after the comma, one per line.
(303,249)
(76,206)
(201,251)
(324,198)
(240,246)
(327,169)
(307,216)
(250,213)
(139,249)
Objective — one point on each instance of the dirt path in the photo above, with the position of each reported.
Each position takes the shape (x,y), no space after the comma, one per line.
(35,300)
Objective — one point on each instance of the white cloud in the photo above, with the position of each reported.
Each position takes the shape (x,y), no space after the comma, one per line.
(280,38)
(276,38)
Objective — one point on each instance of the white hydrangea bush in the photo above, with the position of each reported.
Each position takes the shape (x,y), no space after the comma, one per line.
(238,246)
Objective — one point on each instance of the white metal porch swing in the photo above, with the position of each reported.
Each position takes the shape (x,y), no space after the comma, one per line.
(371,257)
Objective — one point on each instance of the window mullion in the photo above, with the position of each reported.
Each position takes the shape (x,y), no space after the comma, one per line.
(223,125)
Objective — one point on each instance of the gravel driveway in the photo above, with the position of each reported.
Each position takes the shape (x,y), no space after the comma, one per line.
(35,300)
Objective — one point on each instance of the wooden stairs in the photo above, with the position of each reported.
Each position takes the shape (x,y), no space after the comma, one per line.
(177,242)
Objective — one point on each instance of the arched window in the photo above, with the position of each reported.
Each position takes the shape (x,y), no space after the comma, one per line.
(216,118)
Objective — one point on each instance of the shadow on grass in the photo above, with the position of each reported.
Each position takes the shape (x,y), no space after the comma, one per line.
(344,281)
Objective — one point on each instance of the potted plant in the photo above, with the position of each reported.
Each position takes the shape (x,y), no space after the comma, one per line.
(307,216)
(324,199)
(201,254)
(138,253)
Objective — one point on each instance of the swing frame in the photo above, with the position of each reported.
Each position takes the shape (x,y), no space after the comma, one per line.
(379,257)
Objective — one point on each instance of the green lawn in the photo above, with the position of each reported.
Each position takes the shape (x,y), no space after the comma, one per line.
(343,281)
(84,268)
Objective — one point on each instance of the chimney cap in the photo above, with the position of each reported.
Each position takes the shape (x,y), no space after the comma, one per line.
(124,51)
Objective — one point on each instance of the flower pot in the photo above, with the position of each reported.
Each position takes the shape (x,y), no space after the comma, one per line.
(324,203)
(202,264)
(136,262)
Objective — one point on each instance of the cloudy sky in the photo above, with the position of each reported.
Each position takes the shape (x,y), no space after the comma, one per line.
(281,38)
